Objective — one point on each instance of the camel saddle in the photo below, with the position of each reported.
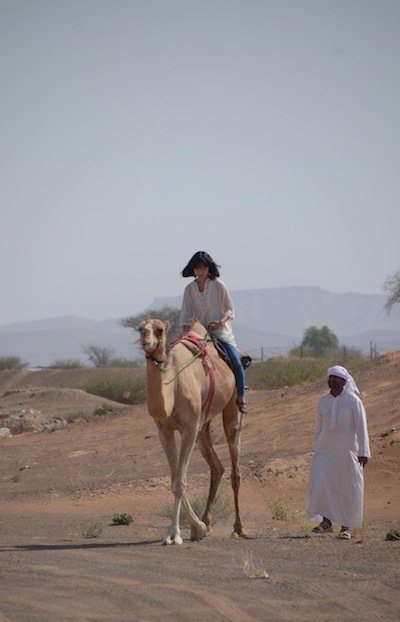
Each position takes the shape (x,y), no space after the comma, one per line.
(244,357)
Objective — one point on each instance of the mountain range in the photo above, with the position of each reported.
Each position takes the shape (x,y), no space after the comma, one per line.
(268,322)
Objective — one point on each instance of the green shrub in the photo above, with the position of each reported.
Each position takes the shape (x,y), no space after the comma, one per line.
(94,530)
(221,509)
(278,372)
(117,386)
(122,519)
(79,414)
(104,409)
(121,362)
(284,371)
(280,510)
(67,364)
(393,534)
(87,416)
(12,362)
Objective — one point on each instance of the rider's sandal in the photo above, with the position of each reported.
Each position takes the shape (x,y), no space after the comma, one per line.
(243,408)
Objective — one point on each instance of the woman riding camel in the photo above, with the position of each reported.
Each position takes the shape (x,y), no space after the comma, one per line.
(208,299)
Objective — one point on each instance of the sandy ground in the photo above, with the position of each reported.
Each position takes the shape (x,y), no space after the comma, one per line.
(56,482)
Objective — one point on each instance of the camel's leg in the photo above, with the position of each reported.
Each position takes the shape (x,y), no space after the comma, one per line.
(216,471)
(233,426)
(178,465)
(198,528)
(188,439)
(167,438)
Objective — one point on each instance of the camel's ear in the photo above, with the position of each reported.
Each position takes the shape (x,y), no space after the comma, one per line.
(167,326)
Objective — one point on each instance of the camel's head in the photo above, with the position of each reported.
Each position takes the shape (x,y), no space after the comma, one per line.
(153,335)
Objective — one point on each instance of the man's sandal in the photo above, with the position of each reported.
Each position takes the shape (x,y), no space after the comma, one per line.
(323,527)
(344,533)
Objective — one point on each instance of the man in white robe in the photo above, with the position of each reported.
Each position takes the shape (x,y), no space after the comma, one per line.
(335,491)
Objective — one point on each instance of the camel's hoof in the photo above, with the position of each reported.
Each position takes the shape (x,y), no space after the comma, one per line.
(199,533)
(173,540)
(243,534)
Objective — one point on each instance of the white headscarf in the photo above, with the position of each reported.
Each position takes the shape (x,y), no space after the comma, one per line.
(349,387)
(338,370)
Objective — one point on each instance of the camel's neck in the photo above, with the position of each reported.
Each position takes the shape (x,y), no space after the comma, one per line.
(157,391)
(156,361)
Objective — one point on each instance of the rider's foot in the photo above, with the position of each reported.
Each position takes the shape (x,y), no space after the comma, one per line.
(243,408)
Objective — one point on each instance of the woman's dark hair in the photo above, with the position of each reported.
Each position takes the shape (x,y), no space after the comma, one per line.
(198,259)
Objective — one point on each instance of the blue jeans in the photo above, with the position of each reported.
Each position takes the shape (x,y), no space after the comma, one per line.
(237,367)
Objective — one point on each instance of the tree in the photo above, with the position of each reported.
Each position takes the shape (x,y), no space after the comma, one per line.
(318,342)
(169,314)
(100,356)
(392,288)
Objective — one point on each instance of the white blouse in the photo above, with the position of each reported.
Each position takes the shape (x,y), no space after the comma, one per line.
(212,304)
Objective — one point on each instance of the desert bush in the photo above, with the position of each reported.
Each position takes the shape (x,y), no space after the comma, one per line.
(94,530)
(364,528)
(393,534)
(280,510)
(12,362)
(87,416)
(122,519)
(104,409)
(117,386)
(283,371)
(67,364)
(79,414)
(221,509)
(122,362)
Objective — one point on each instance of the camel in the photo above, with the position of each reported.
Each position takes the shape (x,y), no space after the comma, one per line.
(186,389)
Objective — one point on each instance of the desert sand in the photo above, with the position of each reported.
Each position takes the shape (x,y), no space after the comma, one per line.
(57,481)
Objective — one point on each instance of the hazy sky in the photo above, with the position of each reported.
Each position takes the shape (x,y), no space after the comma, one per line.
(136,132)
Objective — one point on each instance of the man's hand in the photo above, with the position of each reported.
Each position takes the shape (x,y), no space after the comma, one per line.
(362,460)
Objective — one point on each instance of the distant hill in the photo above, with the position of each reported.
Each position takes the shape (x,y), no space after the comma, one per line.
(269,322)
(42,342)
